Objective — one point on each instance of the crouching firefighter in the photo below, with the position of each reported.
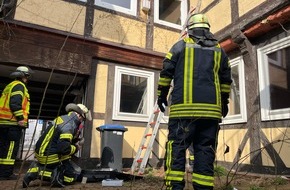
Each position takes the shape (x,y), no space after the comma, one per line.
(56,145)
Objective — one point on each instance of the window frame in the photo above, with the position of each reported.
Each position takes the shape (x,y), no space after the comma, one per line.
(117,115)
(132,11)
(162,22)
(264,81)
(242,117)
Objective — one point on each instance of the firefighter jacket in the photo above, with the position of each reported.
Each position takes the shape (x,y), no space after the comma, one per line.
(201,75)
(56,143)
(14,104)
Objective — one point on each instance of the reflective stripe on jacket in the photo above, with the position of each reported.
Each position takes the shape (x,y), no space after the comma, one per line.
(7,116)
(55,144)
(200,75)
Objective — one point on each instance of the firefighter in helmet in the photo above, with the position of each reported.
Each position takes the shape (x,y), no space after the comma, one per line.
(202,78)
(14,111)
(56,145)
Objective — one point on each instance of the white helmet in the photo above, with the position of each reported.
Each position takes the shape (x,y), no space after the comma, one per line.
(80,109)
(21,71)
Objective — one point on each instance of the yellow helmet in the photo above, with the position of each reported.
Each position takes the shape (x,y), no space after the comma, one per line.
(198,21)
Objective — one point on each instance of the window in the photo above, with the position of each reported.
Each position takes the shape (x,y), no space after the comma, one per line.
(237,103)
(134,94)
(124,6)
(171,13)
(274,80)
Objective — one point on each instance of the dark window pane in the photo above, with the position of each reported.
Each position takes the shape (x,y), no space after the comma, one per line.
(235,92)
(280,80)
(169,10)
(133,94)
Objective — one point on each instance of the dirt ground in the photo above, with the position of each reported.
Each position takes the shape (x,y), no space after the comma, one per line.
(153,180)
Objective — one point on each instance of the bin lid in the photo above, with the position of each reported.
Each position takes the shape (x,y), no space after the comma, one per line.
(112,127)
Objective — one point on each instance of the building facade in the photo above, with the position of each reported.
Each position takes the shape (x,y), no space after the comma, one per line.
(107,55)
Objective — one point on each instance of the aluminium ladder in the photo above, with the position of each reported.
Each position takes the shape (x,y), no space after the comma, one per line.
(147,141)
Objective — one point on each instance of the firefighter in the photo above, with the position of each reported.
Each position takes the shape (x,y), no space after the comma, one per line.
(14,111)
(56,145)
(202,78)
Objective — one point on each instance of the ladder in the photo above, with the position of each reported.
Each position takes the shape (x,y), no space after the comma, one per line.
(147,141)
(154,120)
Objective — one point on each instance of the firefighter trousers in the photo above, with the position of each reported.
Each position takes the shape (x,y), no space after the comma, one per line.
(9,142)
(202,133)
(62,173)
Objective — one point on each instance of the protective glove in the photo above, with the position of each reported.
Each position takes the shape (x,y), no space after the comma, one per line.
(162,101)
(162,98)
(225,109)
(225,101)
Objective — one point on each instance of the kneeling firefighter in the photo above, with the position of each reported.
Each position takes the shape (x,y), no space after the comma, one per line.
(56,145)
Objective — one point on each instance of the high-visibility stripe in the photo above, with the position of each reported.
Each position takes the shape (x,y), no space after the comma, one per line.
(68,179)
(10,150)
(195,110)
(164,81)
(33,170)
(51,159)
(7,161)
(195,114)
(174,175)
(225,88)
(168,185)
(195,106)
(191,157)
(46,141)
(203,179)
(188,73)
(217,58)
(169,154)
(73,149)
(45,173)
(169,55)
(58,121)
(66,136)
(185,77)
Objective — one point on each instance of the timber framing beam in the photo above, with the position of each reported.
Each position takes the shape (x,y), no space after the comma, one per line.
(35,45)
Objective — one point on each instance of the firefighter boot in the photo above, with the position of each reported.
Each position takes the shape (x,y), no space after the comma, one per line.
(57,177)
(31,174)
(28,177)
